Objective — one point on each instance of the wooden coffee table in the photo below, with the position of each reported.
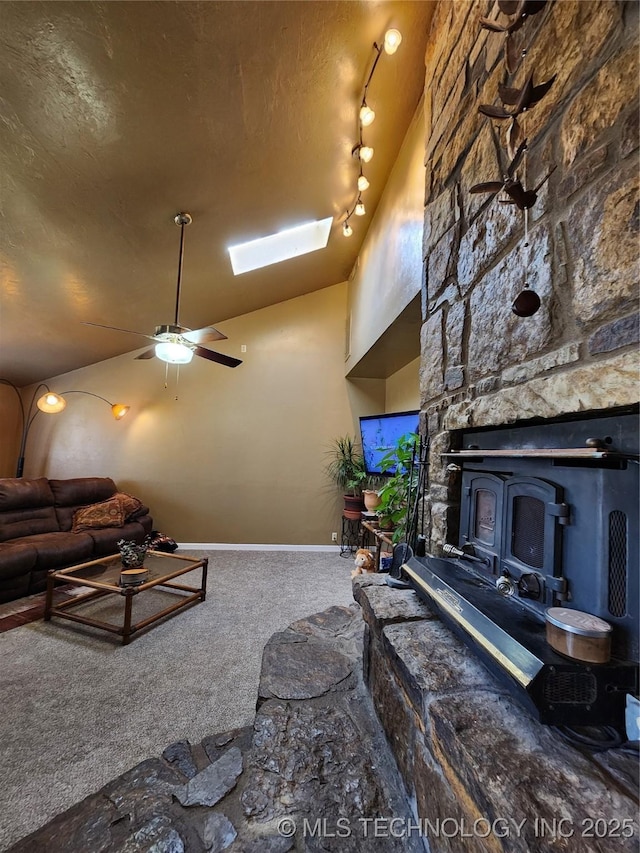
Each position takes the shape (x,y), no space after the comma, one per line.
(103,576)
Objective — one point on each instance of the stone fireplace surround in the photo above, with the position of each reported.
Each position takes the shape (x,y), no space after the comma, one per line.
(480,364)
(463,749)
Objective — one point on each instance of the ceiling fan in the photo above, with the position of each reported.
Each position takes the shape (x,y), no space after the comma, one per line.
(177,344)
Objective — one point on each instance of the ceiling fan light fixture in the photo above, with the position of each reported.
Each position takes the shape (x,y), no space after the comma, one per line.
(173,353)
(51,403)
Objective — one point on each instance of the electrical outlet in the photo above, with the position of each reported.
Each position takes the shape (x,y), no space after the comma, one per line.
(334,537)
(243,348)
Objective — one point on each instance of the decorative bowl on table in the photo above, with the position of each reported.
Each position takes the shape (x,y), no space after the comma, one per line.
(134,577)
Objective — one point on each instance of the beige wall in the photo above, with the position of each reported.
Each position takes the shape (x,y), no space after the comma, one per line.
(402,393)
(388,274)
(240,455)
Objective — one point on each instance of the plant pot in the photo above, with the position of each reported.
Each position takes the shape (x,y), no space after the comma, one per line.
(372,500)
(353,506)
(386,525)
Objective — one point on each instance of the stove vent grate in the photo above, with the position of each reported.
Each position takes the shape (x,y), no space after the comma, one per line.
(570,688)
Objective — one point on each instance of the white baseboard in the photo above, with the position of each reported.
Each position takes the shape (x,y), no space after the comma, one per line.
(235,546)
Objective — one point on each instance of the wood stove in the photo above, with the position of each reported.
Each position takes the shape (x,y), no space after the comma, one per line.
(548,517)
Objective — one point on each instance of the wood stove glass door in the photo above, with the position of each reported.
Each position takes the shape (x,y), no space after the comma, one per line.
(532,554)
(482,514)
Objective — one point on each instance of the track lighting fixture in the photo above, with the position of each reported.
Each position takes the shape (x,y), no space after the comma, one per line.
(366,115)
(392,39)
(364,153)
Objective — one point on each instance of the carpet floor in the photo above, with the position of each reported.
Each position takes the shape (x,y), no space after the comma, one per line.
(78,709)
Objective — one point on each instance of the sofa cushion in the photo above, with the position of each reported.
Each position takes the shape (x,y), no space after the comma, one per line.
(59,550)
(106,540)
(16,560)
(132,506)
(26,508)
(71,494)
(21,493)
(109,513)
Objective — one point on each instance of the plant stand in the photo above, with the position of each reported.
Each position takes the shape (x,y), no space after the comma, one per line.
(350,536)
(381,539)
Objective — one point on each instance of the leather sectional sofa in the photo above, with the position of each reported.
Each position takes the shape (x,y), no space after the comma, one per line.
(36,521)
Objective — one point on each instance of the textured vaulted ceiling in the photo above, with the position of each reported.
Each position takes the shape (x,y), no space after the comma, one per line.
(115,116)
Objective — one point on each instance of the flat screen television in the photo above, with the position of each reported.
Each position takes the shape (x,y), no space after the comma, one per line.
(380,433)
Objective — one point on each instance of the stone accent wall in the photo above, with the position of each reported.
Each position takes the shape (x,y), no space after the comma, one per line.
(480,363)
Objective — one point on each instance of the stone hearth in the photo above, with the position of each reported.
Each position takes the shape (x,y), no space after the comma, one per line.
(315,773)
(482,774)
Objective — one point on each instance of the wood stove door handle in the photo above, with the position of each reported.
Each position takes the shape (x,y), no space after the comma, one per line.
(561,512)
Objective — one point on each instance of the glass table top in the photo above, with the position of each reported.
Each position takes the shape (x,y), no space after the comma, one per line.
(107,570)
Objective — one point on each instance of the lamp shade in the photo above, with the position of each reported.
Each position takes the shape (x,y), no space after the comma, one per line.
(173,353)
(119,410)
(51,403)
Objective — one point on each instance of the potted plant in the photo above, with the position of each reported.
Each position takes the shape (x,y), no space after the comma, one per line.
(395,494)
(132,553)
(371,492)
(346,469)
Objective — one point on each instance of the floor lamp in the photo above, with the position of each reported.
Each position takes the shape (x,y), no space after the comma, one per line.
(50,403)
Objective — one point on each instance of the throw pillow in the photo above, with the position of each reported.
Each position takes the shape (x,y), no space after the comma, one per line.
(129,504)
(109,513)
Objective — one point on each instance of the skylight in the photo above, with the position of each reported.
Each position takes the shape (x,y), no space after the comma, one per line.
(281,246)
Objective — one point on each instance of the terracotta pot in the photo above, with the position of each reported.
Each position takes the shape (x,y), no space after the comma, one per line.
(353,506)
(372,500)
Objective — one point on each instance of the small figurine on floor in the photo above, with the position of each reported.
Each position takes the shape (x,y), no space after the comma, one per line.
(364,562)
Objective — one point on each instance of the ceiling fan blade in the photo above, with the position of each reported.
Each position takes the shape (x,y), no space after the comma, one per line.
(116,329)
(204,335)
(149,353)
(227,360)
